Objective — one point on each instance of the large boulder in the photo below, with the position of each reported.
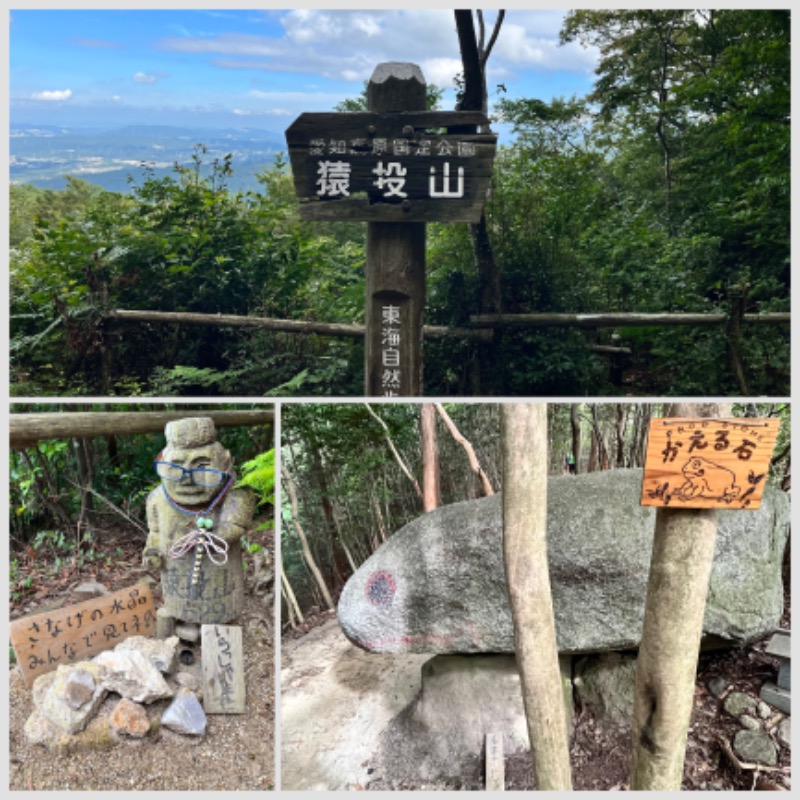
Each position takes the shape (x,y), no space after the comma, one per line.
(438,584)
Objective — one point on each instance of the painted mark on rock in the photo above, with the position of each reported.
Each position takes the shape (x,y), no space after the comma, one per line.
(380,589)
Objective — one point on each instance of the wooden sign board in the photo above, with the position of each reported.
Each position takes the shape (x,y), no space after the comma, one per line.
(708,463)
(223,669)
(398,167)
(68,635)
(495,765)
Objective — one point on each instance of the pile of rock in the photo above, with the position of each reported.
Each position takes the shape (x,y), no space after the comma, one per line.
(141,671)
(604,684)
(763,729)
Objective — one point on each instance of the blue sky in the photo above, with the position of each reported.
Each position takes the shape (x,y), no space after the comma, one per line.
(256,69)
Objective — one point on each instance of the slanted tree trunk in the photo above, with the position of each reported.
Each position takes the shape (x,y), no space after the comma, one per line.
(291,601)
(307,554)
(524,445)
(431,494)
(680,568)
(477,471)
(396,453)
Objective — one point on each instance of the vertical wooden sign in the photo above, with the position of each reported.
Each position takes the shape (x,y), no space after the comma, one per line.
(395,264)
(223,669)
(708,463)
(44,641)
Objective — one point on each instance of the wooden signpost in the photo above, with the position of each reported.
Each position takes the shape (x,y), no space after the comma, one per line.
(395,166)
(708,463)
(223,669)
(44,641)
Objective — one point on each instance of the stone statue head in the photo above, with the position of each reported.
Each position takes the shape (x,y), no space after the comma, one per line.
(193,466)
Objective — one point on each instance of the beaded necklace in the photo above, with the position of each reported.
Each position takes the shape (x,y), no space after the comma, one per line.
(200,538)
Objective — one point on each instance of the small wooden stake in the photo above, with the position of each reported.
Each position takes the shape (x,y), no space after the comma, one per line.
(223,669)
(495,767)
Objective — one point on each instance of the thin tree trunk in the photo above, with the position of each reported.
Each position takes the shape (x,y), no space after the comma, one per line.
(431,492)
(307,555)
(524,443)
(575,425)
(622,418)
(402,464)
(475,466)
(376,509)
(666,669)
(291,600)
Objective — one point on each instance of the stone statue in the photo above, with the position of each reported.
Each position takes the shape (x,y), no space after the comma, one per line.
(196,520)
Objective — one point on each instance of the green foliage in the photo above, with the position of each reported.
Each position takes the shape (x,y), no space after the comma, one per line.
(662,191)
(259,475)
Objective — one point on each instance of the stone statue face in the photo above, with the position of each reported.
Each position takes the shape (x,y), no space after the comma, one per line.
(199,487)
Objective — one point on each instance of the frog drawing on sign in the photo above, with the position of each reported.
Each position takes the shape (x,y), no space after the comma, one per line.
(706,479)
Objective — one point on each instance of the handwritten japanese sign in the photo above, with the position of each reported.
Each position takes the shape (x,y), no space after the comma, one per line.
(400,167)
(43,641)
(708,463)
(223,669)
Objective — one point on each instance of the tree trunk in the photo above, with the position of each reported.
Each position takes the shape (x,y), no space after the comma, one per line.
(524,444)
(680,567)
(398,458)
(474,97)
(291,600)
(430,458)
(622,418)
(307,555)
(575,426)
(475,466)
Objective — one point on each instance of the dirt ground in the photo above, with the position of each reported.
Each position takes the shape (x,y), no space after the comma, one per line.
(337,700)
(237,751)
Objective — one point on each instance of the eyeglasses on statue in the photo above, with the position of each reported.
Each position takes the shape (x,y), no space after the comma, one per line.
(200,476)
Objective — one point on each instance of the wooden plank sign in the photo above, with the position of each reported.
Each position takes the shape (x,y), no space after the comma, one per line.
(391,167)
(223,669)
(44,641)
(708,463)
(495,765)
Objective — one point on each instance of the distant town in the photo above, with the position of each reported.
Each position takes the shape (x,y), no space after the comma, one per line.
(116,159)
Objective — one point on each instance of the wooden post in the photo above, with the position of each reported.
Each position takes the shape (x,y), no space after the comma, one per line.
(737,300)
(223,669)
(495,766)
(395,263)
(666,669)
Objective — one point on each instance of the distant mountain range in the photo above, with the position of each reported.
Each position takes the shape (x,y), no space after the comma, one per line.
(43,155)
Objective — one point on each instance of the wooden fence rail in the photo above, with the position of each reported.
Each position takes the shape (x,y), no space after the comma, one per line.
(616,320)
(480,325)
(352,330)
(27,429)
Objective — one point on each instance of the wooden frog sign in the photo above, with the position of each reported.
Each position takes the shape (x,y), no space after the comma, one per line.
(196,520)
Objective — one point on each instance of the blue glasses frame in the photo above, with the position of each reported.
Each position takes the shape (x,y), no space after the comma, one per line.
(220,475)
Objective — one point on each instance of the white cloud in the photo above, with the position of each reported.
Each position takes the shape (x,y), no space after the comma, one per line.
(268,112)
(144,77)
(234,44)
(526,44)
(56,95)
(441,71)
